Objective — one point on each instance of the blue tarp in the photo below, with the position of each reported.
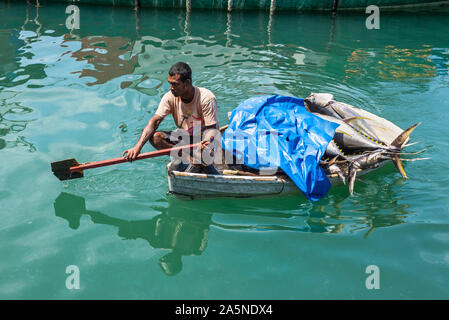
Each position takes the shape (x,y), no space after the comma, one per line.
(277,131)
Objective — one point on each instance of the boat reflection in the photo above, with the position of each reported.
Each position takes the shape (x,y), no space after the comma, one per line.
(182,227)
(182,233)
(377,203)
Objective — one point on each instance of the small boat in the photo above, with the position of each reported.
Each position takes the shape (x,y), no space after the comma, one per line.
(235,183)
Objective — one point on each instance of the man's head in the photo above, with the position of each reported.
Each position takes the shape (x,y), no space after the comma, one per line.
(180,78)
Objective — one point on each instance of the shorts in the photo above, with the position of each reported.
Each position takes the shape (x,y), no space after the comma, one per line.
(175,137)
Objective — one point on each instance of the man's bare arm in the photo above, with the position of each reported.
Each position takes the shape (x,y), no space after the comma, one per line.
(146,135)
(149,131)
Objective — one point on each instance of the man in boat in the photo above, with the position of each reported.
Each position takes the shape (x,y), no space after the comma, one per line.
(192,108)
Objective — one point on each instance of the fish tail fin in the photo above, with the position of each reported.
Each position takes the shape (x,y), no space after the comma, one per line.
(402,138)
(398,144)
(398,164)
(352,173)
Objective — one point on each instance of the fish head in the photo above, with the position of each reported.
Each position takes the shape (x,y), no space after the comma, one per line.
(319,102)
(319,99)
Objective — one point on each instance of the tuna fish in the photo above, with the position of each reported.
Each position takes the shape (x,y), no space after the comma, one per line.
(350,139)
(374,127)
(363,140)
(351,164)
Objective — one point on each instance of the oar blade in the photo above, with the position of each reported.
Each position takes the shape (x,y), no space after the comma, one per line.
(61,169)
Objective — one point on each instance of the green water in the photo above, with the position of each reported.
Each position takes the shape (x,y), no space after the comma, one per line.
(88,93)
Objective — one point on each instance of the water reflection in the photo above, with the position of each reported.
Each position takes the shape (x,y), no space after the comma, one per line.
(377,203)
(403,63)
(228,30)
(109,56)
(283,61)
(14,71)
(35,20)
(14,119)
(182,227)
(177,231)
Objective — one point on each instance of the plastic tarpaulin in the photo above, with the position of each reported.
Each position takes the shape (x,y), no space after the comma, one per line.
(277,131)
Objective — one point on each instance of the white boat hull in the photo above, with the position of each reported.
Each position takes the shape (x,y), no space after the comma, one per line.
(206,185)
(199,184)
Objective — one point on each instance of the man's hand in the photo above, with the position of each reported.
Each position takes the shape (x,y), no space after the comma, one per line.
(204,144)
(131,154)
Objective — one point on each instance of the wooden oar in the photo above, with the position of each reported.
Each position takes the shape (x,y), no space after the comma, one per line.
(71,169)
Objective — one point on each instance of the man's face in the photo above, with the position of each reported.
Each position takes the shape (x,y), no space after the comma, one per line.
(177,86)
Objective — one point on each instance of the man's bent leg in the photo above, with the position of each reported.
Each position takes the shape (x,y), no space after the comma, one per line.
(170,139)
(165,140)
(161,140)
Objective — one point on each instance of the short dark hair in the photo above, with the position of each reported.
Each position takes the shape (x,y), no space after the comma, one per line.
(181,68)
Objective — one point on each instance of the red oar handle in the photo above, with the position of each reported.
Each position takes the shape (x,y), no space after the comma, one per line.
(153,154)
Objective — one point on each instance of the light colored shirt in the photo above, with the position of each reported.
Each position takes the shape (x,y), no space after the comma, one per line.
(203,108)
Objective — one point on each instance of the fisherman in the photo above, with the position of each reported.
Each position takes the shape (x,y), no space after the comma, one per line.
(192,108)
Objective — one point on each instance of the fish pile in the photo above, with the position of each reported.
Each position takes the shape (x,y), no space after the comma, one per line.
(363,141)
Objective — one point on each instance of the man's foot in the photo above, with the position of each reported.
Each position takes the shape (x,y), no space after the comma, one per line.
(193,169)
(210,169)
(177,165)
(201,169)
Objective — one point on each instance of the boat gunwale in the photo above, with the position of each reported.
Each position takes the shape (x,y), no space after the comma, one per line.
(228,177)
